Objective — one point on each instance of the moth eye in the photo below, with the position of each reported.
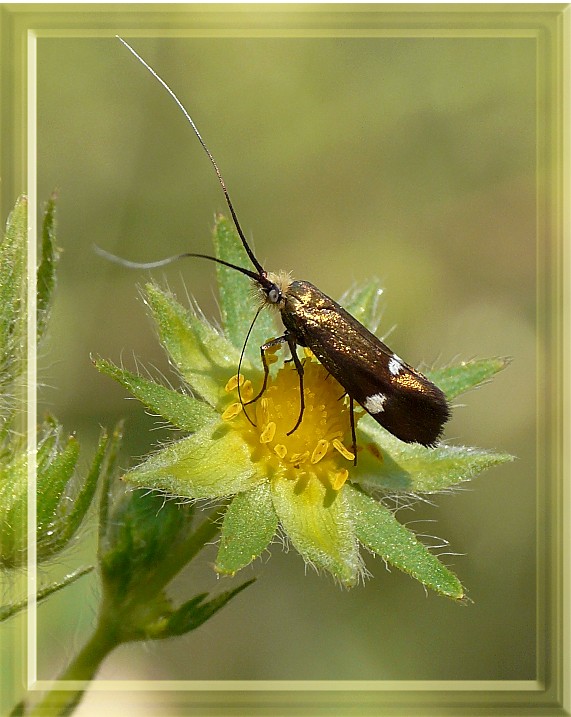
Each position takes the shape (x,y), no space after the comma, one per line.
(274,295)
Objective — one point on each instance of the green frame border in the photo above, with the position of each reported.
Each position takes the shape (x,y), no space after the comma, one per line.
(550,25)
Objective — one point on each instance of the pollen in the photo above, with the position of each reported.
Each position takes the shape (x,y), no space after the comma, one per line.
(316,449)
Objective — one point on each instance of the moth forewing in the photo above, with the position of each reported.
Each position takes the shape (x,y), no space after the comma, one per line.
(397,396)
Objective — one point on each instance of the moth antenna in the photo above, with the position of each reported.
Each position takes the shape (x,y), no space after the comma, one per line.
(170,260)
(240,363)
(250,253)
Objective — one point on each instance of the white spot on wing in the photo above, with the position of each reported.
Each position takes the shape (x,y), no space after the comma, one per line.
(375,403)
(395,365)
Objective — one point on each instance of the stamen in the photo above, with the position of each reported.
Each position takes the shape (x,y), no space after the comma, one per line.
(264,407)
(232,411)
(346,453)
(247,390)
(270,353)
(320,450)
(232,384)
(308,454)
(280,450)
(299,457)
(267,435)
(339,479)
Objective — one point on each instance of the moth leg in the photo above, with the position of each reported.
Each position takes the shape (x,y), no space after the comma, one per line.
(353,432)
(299,368)
(263,349)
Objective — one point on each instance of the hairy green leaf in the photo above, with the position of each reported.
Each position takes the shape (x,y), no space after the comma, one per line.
(380,531)
(236,305)
(180,410)
(249,525)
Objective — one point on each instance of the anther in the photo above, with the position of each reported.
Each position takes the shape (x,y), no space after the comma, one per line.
(267,435)
(247,390)
(339,479)
(232,384)
(280,450)
(232,411)
(344,451)
(320,450)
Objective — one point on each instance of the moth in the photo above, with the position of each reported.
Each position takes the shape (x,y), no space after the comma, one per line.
(396,395)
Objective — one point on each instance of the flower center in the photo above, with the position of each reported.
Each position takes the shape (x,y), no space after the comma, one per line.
(316,447)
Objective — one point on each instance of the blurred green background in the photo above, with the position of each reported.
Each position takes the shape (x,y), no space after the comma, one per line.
(410,159)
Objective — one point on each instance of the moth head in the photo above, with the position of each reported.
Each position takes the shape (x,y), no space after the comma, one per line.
(271,289)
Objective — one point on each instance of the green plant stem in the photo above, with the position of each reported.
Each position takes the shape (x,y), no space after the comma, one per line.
(82,668)
(112,629)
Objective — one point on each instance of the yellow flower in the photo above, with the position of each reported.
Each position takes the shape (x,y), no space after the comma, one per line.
(302,482)
(315,450)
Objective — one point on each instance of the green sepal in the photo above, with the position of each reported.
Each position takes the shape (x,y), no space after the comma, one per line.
(204,357)
(13,318)
(457,379)
(53,478)
(249,525)
(363,302)
(65,523)
(197,611)
(316,520)
(7,611)
(181,410)
(141,534)
(145,541)
(237,308)
(14,511)
(108,473)
(61,506)
(391,465)
(48,443)
(214,462)
(13,283)
(380,531)
(46,270)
